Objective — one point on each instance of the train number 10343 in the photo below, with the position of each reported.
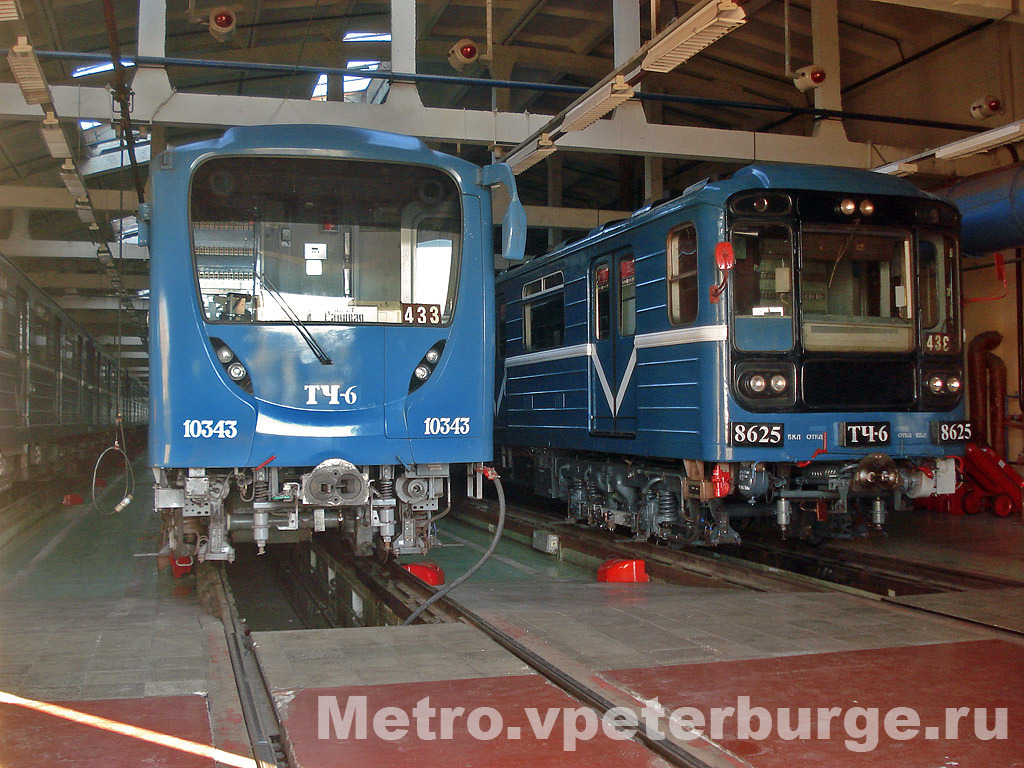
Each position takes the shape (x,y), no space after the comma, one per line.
(206,428)
(446,426)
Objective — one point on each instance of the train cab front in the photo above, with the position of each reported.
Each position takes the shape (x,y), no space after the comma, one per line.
(331,365)
(845,391)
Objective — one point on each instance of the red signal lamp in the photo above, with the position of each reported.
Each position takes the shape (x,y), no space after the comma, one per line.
(222,22)
(463,53)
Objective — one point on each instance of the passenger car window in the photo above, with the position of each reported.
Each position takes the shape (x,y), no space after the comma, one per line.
(544,313)
(682,275)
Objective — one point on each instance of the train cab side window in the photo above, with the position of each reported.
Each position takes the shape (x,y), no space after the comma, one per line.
(502,334)
(544,313)
(682,275)
(937,274)
(627,296)
(602,300)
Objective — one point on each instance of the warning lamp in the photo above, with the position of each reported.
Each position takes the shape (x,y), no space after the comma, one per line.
(463,53)
(986,107)
(808,78)
(222,23)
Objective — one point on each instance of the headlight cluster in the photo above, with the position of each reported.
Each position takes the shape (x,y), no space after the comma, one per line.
(849,207)
(760,383)
(425,367)
(944,384)
(232,365)
(765,384)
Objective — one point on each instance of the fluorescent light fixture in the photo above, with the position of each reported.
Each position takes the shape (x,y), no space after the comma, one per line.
(598,104)
(983,142)
(692,33)
(897,169)
(28,73)
(84,211)
(531,154)
(9,10)
(98,67)
(367,37)
(53,135)
(69,175)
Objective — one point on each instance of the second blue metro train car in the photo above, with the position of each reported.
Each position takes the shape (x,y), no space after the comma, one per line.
(322,335)
(784,342)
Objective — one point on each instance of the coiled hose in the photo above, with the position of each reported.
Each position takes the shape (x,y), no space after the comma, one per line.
(491,475)
(129,474)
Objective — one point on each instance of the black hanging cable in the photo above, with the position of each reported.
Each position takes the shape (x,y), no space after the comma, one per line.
(493,476)
(120,441)
(123,96)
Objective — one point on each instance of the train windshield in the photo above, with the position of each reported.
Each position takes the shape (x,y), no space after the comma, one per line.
(328,240)
(856,290)
(763,287)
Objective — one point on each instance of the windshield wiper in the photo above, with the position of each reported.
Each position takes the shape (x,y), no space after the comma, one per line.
(299,325)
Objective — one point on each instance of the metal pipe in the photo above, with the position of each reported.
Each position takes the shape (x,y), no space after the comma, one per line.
(977,389)
(992,207)
(1018,275)
(996,404)
(406,77)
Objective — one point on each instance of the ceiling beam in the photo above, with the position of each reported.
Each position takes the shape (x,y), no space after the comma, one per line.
(70,302)
(1003,10)
(59,199)
(623,135)
(67,249)
(95,281)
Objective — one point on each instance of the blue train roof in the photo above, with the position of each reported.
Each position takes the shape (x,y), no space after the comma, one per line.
(361,142)
(758,176)
(825,178)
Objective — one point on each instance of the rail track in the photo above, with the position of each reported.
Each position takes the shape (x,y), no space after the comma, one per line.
(329,587)
(762,564)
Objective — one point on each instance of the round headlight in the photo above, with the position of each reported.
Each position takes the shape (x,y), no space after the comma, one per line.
(761,205)
(778,383)
(953,385)
(849,207)
(867,207)
(432,356)
(935,385)
(236,371)
(757,383)
(422,372)
(225,355)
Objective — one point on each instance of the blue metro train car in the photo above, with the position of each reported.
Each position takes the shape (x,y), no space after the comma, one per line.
(785,342)
(322,335)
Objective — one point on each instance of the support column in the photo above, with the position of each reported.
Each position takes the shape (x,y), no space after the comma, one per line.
(825,51)
(654,167)
(150,83)
(626,25)
(403,52)
(554,164)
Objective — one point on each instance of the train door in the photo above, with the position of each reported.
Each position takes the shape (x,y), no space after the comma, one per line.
(612,329)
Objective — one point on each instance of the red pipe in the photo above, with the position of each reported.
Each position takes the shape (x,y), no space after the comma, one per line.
(977,382)
(996,403)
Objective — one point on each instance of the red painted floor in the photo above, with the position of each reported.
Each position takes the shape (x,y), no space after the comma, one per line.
(927,678)
(30,739)
(509,696)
